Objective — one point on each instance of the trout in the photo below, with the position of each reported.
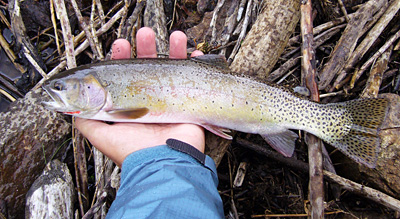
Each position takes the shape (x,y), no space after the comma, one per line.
(202,91)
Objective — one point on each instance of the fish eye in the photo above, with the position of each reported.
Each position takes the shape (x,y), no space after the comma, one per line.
(58,85)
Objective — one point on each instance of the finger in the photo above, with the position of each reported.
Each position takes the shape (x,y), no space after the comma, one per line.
(146,43)
(196,53)
(177,45)
(121,49)
(95,131)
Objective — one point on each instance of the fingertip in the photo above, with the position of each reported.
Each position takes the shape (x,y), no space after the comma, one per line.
(196,53)
(121,49)
(146,43)
(177,45)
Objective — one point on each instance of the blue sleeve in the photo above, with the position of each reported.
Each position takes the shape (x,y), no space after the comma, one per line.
(160,182)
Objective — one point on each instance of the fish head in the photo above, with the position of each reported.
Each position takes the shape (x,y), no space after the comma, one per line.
(76,94)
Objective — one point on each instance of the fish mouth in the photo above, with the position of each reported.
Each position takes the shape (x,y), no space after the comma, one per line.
(57,104)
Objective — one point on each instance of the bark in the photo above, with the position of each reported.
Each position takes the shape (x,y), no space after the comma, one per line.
(308,75)
(345,46)
(267,38)
(52,194)
(31,135)
(154,17)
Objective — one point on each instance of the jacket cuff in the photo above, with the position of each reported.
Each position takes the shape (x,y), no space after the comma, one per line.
(163,153)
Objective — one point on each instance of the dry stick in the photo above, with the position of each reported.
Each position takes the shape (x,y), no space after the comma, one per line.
(75,132)
(82,47)
(343,9)
(347,42)
(10,54)
(132,19)
(319,40)
(325,35)
(99,176)
(397,46)
(85,28)
(341,78)
(364,67)
(154,17)
(254,11)
(173,16)
(316,189)
(28,55)
(66,30)
(230,23)
(19,30)
(5,21)
(101,11)
(100,201)
(99,52)
(375,78)
(242,32)
(122,22)
(82,167)
(374,34)
(349,185)
(365,191)
(214,21)
(318,29)
(368,41)
(240,9)
(54,22)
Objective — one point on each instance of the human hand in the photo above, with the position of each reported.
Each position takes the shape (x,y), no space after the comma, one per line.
(118,140)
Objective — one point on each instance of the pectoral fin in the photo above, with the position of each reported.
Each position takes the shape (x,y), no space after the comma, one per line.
(283,142)
(218,131)
(129,113)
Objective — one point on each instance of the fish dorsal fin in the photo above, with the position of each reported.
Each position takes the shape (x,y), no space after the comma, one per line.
(212,59)
(134,113)
(283,142)
(218,131)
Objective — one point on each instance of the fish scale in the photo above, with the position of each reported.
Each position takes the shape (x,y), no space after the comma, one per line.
(204,93)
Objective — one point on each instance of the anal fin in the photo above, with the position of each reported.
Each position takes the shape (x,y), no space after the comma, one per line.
(283,142)
(218,131)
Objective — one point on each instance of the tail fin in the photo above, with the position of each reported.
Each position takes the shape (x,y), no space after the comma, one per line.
(362,141)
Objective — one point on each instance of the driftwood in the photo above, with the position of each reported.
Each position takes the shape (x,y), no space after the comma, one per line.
(386,175)
(366,191)
(31,135)
(263,45)
(308,76)
(154,17)
(368,41)
(52,194)
(345,47)
(81,175)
